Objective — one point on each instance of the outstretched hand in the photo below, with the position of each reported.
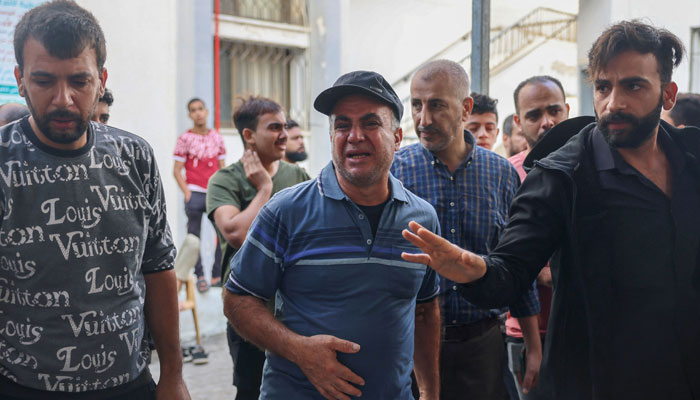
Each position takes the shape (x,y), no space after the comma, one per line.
(445,258)
(317,360)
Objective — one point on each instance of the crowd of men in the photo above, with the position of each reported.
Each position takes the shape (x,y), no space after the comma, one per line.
(438,270)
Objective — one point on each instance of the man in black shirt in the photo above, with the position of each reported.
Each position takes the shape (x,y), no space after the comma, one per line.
(617,206)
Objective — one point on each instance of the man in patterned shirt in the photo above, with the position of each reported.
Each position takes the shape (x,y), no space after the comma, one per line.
(85,248)
(471,189)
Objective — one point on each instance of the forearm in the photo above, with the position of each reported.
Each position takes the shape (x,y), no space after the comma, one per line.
(427,349)
(531,333)
(162,316)
(236,227)
(177,173)
(254,322)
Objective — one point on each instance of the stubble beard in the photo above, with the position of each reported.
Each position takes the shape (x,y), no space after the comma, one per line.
(63,137)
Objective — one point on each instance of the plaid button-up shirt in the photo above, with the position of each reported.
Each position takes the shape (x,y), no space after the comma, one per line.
(472,207)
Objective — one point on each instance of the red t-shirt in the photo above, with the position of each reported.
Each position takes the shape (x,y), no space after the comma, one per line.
(201,155)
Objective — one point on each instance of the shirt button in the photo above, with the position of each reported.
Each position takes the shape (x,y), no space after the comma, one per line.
(454,287)
(369,241)
(452,230)
(432,163)
(454,321)
(361,216)
(452,178)
(452,204)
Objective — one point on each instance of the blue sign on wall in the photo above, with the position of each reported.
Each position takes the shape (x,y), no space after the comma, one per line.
(10,13)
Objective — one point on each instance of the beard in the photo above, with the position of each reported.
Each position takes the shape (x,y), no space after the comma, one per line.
(640,130)
(296,156)
(62,136)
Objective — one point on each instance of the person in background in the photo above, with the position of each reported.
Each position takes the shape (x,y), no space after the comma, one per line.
(686,111)
(471,189)
(101,113)
(236,195)
(296,152)
(483,120)
(200,151)
(513,139)
(12,112)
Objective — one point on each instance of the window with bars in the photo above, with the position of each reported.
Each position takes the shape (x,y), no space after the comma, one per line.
(284,11)
(694,60)
(254,69)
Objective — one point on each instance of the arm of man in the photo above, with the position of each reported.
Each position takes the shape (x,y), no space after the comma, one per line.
(177,173)
(231,221)
(533,355)
(536,226)
(162,317)
(315,355)
(426,352)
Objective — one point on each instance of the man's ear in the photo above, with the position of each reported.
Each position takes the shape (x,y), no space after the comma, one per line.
(103,81)
(398,137)
(516,120)
(568,109)
(467,106)
(18,78)
(668,95)
(248,136)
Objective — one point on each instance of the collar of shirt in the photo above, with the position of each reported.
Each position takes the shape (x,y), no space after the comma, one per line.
(329,187)
(435,161)
(606,158)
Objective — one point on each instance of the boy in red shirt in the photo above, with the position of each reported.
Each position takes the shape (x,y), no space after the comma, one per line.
(201,152)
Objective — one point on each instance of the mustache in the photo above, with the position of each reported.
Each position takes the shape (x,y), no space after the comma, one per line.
(428,129)
(618,117)
(62,114)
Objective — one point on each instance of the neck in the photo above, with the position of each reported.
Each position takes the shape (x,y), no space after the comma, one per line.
(201,129)
(455,153)
(75,145)
(372,195)
(270,166)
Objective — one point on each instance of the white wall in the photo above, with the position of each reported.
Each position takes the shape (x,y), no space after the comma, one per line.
(142,68)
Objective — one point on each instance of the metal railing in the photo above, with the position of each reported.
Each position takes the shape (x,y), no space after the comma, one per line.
(282,11)
(506,47)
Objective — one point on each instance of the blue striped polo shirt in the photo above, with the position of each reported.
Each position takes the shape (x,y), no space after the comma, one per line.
(313,247)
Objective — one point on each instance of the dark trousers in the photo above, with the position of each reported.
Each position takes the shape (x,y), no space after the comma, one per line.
(194,210)
(471,362)
(248,362)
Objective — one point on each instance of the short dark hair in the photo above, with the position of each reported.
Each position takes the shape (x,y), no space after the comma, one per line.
(687,110)
(250,110)
(11,112)
(533,80)
(508,126)
(292,124)
(643,38)
(484,104)
(107,98)
(194,100)
(64,28)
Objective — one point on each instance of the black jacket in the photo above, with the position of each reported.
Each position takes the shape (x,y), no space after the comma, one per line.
(556,213)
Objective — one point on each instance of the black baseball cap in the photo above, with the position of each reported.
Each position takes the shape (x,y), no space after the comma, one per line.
(359,82)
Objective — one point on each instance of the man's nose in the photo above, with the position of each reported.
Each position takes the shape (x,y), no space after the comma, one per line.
(616,101)
(356,134)
(63,96)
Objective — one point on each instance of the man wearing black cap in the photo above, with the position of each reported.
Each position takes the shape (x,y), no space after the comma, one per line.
(330,250)
(471,189)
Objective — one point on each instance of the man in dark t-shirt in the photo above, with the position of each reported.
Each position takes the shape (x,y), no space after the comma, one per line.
(235,195)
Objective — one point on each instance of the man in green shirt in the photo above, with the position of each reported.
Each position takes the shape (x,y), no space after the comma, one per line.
(235,195)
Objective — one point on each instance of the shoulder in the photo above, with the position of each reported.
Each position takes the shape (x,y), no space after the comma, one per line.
(494,163)
(409,151)
(232,172)
(295,197)
(294,170)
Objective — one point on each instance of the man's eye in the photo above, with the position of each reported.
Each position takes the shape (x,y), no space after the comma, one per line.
(601,88)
